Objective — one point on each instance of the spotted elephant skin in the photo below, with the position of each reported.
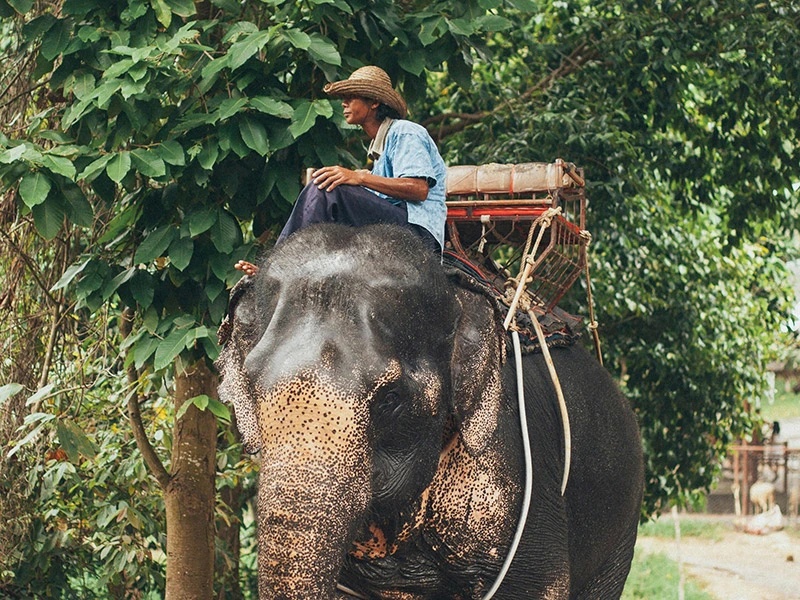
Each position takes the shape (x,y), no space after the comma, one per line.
(383,402)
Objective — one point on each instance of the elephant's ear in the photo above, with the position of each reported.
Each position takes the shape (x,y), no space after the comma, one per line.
(478,353)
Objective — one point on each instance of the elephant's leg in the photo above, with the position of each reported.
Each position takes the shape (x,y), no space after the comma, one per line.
(610,580)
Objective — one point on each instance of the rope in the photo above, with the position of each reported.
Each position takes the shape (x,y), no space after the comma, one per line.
(543,222)
(526,450)
(562,404)
(350,592)
(592,326)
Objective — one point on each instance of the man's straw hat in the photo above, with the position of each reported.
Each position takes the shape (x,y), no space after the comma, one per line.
(369,82)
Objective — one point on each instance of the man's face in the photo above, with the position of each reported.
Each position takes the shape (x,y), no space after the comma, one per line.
(358,110)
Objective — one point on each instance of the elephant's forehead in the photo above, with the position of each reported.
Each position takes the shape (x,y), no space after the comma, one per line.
(371,270)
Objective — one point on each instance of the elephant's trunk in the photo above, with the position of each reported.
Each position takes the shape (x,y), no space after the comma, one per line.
(314,485)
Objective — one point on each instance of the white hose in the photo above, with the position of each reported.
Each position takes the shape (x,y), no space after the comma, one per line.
(526,451)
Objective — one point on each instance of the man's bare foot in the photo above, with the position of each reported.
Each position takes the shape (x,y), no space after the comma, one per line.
(249,268)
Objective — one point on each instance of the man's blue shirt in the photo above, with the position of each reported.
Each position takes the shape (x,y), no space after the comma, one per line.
(410,152)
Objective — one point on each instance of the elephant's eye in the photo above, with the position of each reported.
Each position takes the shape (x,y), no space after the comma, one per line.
(387,405)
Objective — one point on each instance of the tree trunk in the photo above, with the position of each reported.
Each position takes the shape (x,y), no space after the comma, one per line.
(189,496)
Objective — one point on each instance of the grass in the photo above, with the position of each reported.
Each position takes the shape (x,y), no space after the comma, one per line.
(655,577)
(706,529)
(785,406)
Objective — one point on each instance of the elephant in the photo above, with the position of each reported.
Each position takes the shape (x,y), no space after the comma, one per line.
(379,390)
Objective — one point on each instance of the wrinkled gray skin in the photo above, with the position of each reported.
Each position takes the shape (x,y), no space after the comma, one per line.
(384,405)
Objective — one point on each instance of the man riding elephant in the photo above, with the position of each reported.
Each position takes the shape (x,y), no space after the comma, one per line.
(406,185)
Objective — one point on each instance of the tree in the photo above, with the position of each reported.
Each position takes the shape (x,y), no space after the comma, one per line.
(152,143)
(164,137)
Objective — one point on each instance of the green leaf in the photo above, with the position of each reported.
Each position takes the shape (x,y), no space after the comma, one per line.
(463,27)
(429,32)
(144,349)
(120,67)
(37,26)
(225,232)
(142,288)
(303,118)
(297,38)
(493,23)
(201,402)
(95,167)
(40,394)
(171,152)
(163,13)
(56,39)
(74,441)
(230,107)
(49,217)
(413,62)
(78,208)
(9,390)
(59,164)
(219,410)
(21,6)
(524,5)
(323,50)
(34,188)
(78,8)
(208,155)
(155,244)
(71,273)
(460,71)
(180,252)
(323,108)
(113,285)
(169,348)
(119,166)
(202,220)
(244,49)
(273,107)
(12,155)
(254,135)
(183,8)
(148,163)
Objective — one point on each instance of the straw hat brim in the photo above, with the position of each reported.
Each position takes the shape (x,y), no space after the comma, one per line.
(368,89)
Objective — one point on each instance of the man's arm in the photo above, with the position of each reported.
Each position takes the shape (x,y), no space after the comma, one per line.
(402,188)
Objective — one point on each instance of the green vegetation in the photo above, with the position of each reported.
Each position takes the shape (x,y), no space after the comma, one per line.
(664,527)
(655,577)
(148,144)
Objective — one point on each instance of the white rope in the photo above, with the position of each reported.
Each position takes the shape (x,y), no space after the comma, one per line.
(526,450)
(543,222)
(562,404)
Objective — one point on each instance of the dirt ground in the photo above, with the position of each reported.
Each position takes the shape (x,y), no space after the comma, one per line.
(740,566)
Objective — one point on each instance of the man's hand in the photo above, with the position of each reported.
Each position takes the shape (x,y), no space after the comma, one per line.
(403,188)
(249,268)
(329,178)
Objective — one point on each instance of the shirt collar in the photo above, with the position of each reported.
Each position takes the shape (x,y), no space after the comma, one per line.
(377,145)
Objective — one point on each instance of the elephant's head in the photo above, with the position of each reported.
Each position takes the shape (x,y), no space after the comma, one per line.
(342,360)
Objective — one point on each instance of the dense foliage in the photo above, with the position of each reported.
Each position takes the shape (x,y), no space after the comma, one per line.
(685,118)
(149,144)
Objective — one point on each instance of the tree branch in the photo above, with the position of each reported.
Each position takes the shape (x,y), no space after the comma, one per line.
(31,266)
(569,64)
(151,459)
